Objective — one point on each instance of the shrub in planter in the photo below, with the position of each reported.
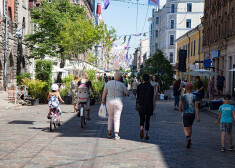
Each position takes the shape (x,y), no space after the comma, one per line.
(22,76)
(35,86)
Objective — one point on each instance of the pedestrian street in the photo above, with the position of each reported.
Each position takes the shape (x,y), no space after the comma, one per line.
(25,140)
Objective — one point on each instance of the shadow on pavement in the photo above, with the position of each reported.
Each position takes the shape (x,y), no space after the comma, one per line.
(167,140)
(21,122)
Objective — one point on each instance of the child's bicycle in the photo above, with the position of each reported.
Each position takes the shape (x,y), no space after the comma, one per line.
(53,119)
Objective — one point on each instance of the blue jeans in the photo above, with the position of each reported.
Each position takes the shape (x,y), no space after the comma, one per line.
(177,100)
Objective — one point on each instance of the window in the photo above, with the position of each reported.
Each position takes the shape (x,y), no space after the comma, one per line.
(50,1)
(172,24)
(156,33)
(188,23)
(194,47)
(157,20)
(202,44)
(9,13)
(189,7)
(23,23)
(171,39)
(191,48)
(172,8)
(171,57)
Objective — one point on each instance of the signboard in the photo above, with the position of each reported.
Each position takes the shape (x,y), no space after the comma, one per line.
(215,53)
(207,63)
(194,67)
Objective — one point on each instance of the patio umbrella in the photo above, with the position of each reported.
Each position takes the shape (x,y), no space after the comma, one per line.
(202,72)
(232,69)
(57,69)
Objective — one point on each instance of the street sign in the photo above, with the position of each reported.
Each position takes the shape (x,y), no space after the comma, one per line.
(207,63)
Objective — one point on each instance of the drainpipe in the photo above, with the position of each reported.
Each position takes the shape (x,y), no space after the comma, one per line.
(199,51)
(5,53)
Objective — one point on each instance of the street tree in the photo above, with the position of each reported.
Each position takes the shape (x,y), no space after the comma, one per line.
(160,66)
(63,30)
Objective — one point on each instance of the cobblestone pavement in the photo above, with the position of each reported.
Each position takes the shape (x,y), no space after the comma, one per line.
(25,140)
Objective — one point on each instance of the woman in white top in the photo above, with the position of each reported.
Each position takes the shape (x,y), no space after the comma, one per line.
(156,87)
(113,93)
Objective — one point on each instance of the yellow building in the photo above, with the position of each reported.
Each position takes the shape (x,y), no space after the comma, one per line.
(192,41)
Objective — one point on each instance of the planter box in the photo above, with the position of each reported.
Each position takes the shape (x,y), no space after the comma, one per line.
(34,102)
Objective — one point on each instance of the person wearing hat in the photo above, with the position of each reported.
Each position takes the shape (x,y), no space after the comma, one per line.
(227,112)
(189,107)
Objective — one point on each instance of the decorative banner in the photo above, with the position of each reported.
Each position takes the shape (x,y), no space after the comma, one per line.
(124,40)
(106,3)
(153,2)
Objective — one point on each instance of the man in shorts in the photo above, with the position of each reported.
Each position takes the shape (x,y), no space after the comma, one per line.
(189,106)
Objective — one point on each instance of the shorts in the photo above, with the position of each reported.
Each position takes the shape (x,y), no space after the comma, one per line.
(220,88)
(58,110)
(226,127)
(188,119)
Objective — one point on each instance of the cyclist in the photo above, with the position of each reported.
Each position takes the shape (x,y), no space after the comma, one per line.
(86,82)
(53,101)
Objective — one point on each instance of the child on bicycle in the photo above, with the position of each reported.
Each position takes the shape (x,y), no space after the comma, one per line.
(53,101)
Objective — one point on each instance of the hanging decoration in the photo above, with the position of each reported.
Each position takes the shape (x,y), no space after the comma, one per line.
(106,3)
(153,2)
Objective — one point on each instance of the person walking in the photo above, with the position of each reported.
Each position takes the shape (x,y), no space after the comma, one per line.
(200,89)
(220,84)
(113,93)
(189,106)
(176,93)
(211,88)
(134,87)
(227,112)
(156,86)
(145,95)
(73,91)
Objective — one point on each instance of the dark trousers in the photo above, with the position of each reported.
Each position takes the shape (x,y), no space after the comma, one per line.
(144,120)
(177,99)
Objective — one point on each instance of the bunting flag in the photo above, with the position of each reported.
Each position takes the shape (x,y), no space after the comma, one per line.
(18,32)
(139,34)
(106,3)
(153,2)
(127,55)
(124,40)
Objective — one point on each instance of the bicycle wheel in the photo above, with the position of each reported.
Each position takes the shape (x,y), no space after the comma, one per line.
(51,123)
(83,118)
(55,121)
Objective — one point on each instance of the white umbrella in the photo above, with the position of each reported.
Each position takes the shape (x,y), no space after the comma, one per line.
(202,72)
(57,69)
(232,69)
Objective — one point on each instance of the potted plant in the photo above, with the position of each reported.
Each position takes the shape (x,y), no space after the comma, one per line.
(35,87)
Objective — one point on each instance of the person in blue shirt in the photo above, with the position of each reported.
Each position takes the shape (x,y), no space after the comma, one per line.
(189,107)
(227,111)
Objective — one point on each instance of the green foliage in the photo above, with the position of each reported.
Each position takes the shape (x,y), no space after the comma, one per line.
(98,86)
(64,30)
(22,76)
(35,86)
(44,70)
(160,66)
(67,80)
(91,74)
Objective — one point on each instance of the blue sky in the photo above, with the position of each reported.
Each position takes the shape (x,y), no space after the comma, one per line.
(122,17)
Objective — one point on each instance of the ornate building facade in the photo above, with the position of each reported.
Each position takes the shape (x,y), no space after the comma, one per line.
(219,38)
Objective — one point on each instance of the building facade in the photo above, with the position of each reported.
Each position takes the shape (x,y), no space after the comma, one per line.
(192,42)
(219,38)
(144,51)
(172,21)
(13,27)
